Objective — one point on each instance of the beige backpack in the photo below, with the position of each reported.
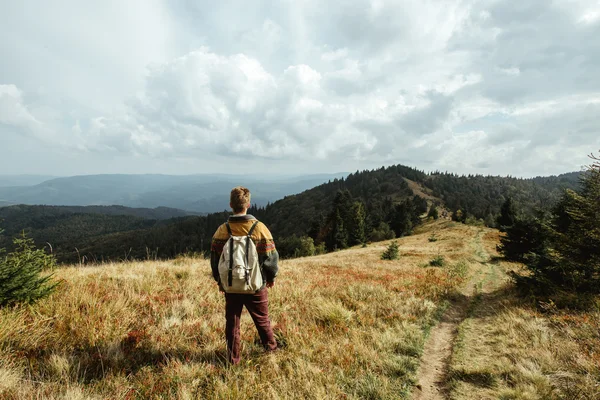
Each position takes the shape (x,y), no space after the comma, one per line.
(239,268)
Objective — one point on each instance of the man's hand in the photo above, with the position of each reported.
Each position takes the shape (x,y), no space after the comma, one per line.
(270,284)
(220,288)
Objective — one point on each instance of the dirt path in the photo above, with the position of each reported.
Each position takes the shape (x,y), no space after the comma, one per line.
(437,352)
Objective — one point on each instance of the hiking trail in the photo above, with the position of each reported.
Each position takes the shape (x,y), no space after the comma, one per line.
(433,370)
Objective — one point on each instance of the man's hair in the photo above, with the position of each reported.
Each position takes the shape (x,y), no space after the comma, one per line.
(240,198)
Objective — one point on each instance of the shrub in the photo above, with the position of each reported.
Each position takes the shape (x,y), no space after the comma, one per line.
(21,273)
(307,247)
(433,238)
(433,213)
(391,253)
(383,232)
(437,261)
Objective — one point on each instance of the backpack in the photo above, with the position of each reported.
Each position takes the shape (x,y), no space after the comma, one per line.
(239,268)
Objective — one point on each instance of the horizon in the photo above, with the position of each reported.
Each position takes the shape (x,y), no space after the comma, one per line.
(472,87)
(276,175)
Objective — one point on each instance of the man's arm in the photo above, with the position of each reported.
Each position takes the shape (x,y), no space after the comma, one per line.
(270,265)
(267,255)
(216,249)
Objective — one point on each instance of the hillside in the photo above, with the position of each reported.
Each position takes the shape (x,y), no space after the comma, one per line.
(23,180)
(29,213)
(396,196)
(351,326)
(480,196)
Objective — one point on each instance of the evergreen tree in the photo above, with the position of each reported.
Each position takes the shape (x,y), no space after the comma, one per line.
(339,233)
(459,216)
(358,224)
(569,257)
(508,215)
(21,273)
(401,219)
(577,228)
(316,229)
(391,253)
(523,239)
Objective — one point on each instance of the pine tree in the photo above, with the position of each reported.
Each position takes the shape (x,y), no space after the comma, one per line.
(523,238)
(21,273)
(508,215)
(577,241)
(358,224)
(391,253)
(401,219)
(569,258)
(339,234)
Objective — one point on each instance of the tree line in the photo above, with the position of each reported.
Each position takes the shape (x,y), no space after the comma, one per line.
(560,246)
(368,205)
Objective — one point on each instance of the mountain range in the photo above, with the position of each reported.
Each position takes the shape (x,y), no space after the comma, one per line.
(194,193)
(380,201)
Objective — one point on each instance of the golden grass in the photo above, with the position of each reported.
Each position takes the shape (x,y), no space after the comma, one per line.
(353,327)
(507,349)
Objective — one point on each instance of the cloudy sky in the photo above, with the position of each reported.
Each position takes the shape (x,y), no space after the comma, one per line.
(292,86)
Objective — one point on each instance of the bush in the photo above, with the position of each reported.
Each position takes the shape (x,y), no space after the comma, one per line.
(307,247)
(391,253)
(21,278)
(383,232)
(433,213)
(433,238)
(320,249)
(438,261)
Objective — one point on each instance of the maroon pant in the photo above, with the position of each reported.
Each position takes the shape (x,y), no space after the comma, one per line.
(258,306)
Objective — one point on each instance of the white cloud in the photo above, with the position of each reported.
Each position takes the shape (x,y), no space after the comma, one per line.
(467,86)
(13,111)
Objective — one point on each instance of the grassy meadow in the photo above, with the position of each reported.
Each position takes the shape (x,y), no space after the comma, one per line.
(513,347)
(351,326)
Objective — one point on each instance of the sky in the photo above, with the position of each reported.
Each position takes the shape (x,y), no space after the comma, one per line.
(493,87)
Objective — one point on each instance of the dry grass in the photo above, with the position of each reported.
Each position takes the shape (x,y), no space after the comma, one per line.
(353,327)
(507,349)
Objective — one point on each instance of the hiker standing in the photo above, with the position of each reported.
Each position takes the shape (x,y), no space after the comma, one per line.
(244,264)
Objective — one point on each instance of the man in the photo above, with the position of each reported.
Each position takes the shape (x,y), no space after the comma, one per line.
(241,224)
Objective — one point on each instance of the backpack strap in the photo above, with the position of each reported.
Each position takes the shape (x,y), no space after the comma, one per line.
(248,242)
(230,275)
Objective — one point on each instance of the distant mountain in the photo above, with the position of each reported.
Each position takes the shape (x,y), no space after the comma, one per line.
(475,195)
(23,180)
(328,210)
(29,213)
(197,193)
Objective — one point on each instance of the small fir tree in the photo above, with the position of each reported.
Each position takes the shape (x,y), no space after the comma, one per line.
(391,253)
(22,278)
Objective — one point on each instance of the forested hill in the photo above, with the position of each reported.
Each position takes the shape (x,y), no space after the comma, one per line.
(26,213)
(475,195)
(69,227)
(481,196)
(367,205)
(378,190)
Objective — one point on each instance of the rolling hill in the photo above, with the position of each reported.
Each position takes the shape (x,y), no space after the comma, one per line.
(197,193)
(393,196)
